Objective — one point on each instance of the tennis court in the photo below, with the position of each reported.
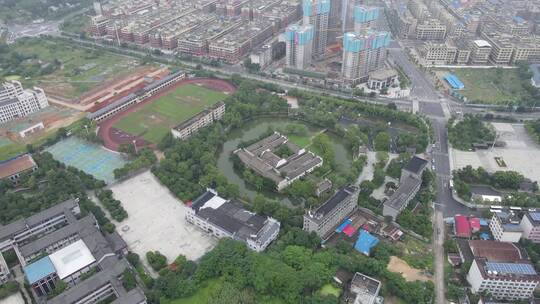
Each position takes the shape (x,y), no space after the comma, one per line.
(88,157)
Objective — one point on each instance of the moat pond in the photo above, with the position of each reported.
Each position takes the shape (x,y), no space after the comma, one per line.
(255,128)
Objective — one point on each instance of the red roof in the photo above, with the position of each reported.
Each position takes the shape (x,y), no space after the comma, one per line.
(16,165)
(349,230)
(462,228)
(475,223)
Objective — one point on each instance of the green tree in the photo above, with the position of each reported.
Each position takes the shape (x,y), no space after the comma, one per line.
(382,141)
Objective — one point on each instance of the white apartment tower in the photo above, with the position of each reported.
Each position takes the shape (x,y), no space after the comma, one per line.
(16,102)
(299,45)
(363,53)
(316,13)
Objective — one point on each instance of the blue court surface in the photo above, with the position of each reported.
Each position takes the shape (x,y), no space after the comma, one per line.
(88,157)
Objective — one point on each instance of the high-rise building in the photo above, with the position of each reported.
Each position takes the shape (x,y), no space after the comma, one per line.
(364,18)
(98,8)
(363,53)
(299,45)
(16,102)
(316,13)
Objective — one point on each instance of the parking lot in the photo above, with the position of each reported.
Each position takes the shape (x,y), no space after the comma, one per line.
(520,154)
(156,220)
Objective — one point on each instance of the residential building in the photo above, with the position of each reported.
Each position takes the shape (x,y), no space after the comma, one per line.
(316,13)
(363,53)
(224,219)
(15,102)
(530,224)
(502,48)
(430,29)
(262,56)
(199,121)
(480,51)
(12,169)
(325,218)
(462,227)
(282,171)
(505,227)
(365,18)
(499,268)
(299,46)
(365,288)
(409,184)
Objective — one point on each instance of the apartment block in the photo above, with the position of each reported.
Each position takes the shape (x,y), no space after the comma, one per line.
(504,226)
(480,51)
(199,121)
(530,224)
(325,218)
(499,268)
(299,46)
(224,219)
(316,13)
(234,45)
(365,17)
(430,29)
(363,53)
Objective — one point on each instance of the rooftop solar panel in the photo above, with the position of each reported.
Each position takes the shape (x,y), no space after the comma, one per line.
(535,216)
(510,268)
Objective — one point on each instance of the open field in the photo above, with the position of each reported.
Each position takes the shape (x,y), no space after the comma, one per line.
(79,69)
(157,221)
(202,296)
(53,117)
(521,153)
(492,86)
(410,274)
(153,121)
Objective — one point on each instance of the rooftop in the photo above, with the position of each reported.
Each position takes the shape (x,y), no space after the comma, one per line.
(341,195)
(39,269)
(416,165)
(71,259)
(398,200)
(495,251)
(16,165)
(366,288)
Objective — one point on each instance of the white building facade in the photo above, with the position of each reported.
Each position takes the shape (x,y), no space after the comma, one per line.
(15,102)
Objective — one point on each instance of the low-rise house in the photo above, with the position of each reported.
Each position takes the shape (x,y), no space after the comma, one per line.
(365,289)
(223,218)
(14,168)
(199,121)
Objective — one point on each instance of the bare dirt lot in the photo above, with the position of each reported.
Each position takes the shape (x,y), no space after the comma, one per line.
(521,154)
(157,221)
(410,274)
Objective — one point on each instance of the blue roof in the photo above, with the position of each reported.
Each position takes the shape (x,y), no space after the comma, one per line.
(484,236)
(518,19)
(454,82)
(343,225)
(39,269)
(365,242)
(483,222)
(535,216)
(511,268)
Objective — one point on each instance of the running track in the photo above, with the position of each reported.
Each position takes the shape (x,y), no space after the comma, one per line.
(113,137)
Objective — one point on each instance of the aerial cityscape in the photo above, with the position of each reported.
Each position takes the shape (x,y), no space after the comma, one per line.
(269,151)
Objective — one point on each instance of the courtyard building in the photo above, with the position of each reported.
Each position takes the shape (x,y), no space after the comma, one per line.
(261,157)
(222,218)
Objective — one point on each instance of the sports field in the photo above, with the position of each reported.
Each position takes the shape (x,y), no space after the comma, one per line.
(88,157)
(154,120)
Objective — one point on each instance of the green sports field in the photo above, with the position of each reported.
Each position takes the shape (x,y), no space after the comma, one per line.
(153,121)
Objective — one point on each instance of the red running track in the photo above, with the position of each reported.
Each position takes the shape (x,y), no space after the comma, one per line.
(112,137)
